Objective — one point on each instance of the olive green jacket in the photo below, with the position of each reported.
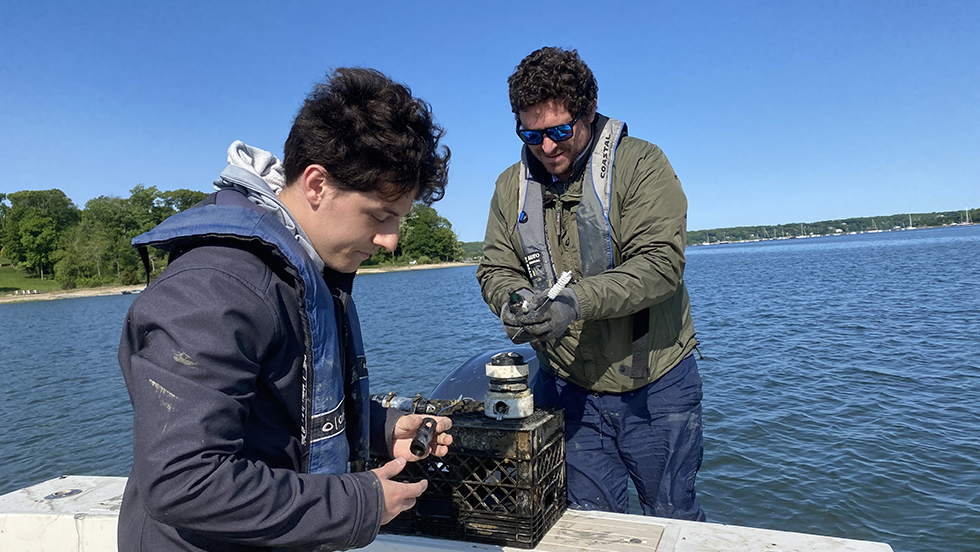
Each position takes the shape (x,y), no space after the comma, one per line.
(648,218)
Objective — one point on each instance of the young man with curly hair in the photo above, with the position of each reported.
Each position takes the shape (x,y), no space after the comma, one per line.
(615,346)
(252,422)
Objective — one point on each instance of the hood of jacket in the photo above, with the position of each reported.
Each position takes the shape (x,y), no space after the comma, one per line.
(259,176)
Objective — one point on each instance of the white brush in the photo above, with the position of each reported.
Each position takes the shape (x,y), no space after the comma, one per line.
(559,285)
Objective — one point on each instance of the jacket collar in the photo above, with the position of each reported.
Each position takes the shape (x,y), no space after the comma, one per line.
(341,281)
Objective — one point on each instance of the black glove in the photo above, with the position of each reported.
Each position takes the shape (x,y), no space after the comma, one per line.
(553,318)
(515,330)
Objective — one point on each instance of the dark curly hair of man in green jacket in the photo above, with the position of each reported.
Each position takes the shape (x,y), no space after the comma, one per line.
(552,74)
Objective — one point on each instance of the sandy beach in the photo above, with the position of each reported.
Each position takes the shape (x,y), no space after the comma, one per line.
(69,293)
(116,290)
(375,270)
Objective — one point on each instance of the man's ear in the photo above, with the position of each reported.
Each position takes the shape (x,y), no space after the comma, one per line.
(315,183)
(593,108)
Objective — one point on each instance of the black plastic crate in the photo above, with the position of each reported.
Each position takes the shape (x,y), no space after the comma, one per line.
(502,483)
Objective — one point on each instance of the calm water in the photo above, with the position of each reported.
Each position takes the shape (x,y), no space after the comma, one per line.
(841,379)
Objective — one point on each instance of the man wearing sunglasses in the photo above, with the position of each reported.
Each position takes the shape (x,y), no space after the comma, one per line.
(615,345)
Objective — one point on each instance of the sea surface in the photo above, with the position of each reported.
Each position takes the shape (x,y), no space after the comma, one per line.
(841,379)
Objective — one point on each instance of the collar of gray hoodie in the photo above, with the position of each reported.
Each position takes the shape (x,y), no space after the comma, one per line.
(259,175)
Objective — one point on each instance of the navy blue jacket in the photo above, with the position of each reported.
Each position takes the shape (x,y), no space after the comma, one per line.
(214,356)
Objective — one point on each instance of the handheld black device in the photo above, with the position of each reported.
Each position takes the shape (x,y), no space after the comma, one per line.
(423,437)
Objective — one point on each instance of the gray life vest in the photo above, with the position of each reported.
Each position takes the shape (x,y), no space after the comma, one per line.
(594,231)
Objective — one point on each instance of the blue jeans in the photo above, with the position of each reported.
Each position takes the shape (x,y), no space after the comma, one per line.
(651,435)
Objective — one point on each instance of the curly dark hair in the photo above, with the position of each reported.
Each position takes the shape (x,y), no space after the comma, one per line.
(552,73)
(370,134)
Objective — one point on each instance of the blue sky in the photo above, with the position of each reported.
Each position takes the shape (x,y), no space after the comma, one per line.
(770,111)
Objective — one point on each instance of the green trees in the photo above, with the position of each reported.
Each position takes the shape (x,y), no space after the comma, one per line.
(38,238)
(43,233)
(32,227)
(424,237)
(100,251)
(427,235)
(97,250)
(3,214)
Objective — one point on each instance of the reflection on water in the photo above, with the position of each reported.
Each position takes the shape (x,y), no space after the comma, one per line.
(841,379)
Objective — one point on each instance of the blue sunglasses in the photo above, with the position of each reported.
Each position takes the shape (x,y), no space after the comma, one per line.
(557,133)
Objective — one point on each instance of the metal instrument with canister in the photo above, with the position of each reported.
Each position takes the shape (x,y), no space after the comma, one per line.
(508,395)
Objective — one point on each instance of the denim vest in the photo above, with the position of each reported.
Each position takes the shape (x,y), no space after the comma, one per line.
(328,444)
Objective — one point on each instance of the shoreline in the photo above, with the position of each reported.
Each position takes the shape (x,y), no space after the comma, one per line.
(70,293)
(400,268)
(118,290)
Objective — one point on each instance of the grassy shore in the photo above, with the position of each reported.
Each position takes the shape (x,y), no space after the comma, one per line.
(11,281)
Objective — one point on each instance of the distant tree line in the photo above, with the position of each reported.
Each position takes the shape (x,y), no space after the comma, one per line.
(44,234)
(474,250)
(839,226)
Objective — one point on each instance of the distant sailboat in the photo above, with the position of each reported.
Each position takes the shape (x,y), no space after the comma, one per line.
(874,227)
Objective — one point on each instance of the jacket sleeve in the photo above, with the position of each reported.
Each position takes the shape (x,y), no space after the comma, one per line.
(383,422)
(192,350)
(651,234)
(500,272)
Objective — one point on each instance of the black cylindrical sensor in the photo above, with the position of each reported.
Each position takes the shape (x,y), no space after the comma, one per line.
(424,436)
